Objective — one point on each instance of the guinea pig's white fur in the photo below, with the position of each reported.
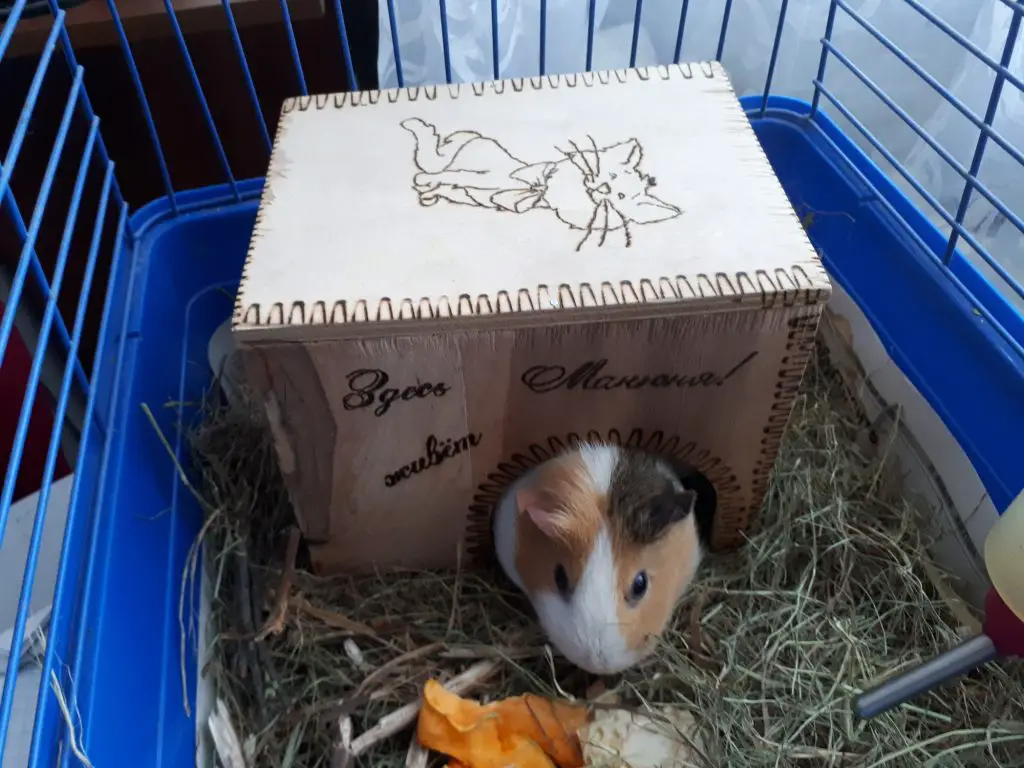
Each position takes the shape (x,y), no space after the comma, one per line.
(605,514)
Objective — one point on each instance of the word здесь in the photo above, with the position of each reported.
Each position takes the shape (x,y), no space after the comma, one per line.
(367,387)
(548,378)
(436,453)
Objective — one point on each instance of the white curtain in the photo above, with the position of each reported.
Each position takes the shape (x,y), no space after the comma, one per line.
(747,51)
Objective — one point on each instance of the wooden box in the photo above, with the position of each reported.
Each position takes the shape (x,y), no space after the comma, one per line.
(447,285)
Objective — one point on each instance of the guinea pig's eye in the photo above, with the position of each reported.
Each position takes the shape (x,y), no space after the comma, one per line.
(561,580)
(639,586)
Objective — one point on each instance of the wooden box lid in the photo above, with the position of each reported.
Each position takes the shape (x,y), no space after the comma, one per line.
(609,194)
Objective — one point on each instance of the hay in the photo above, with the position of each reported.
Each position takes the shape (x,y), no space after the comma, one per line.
(829,596)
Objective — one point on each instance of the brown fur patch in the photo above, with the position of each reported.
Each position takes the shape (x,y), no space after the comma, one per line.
(580,509)
(670,562)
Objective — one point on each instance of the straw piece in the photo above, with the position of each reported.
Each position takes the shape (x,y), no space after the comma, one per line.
(417,756)
(275,624)
(355,654)
(225,739)
(73,723)
(342,755)
(402,718)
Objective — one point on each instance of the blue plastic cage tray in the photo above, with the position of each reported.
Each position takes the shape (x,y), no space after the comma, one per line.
(118,607)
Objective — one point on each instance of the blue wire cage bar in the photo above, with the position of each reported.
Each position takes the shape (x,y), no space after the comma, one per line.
(976,385)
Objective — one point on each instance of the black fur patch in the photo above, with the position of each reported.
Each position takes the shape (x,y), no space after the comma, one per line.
(643,502)
(707,502)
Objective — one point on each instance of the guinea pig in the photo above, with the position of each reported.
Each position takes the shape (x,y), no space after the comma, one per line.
(604,541)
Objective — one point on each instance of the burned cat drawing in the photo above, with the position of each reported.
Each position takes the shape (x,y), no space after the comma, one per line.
(599,191)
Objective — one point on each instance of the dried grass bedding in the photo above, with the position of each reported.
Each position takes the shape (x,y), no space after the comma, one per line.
(832,593)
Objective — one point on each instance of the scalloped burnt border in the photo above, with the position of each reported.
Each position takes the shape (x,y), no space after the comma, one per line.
(479,538)
(768,289)
(800,344)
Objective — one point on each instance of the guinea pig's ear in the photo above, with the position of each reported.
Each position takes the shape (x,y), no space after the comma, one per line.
(687,501)
(540,508)
(673,506)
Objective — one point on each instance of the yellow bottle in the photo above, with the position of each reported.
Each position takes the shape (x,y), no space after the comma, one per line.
(1004,556)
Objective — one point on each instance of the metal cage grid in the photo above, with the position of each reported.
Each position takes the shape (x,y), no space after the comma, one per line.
(113,235)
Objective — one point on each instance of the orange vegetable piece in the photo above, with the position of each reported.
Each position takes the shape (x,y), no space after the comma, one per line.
(525,731)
